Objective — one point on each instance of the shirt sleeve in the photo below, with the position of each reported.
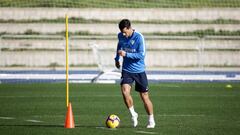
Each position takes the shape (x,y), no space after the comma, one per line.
(117,57)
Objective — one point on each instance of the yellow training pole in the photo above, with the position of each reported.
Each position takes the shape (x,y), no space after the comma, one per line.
(67,86)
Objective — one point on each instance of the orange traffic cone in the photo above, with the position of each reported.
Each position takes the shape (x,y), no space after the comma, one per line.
(69,122)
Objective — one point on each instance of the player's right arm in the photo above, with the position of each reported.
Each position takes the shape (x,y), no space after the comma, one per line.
(117,58)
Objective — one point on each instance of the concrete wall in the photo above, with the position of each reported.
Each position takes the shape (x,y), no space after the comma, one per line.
(118,14)
(45,28)
(177,58)
(82,43)
(161,52)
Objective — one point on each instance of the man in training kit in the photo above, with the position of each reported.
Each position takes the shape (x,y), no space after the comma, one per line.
(131,46)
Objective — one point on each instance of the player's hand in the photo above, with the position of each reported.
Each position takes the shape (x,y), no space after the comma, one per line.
(117,64)
(122,53)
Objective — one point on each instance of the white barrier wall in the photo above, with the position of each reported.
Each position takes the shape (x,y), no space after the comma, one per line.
(161,52)
(118,14)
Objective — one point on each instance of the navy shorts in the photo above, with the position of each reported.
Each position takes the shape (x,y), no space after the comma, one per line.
(141,82)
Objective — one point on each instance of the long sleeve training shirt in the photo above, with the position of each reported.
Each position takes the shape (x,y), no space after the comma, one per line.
(134,46)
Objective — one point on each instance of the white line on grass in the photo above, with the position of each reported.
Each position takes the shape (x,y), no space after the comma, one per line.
(145,132)
(7,118)
(34,121)
(171,86)
(43,116)
(10,118)
(181,115)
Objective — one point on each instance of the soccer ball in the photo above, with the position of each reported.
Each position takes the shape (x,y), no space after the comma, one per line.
(112,121)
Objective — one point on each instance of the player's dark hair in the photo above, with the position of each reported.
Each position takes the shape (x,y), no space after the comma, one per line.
(124,23)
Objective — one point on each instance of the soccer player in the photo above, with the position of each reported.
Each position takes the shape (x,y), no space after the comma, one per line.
(131,46)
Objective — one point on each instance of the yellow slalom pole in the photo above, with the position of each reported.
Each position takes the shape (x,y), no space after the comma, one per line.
(67,86)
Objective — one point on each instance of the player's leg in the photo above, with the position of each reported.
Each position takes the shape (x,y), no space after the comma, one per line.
(147,102)
(126,92)
(149,109)
(142,87)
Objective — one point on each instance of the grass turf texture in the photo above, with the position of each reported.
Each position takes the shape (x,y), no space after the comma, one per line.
(180,108)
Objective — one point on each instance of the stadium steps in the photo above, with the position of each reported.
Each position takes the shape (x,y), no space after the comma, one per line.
(161,14)
(111,29)
(143,14)
(165,52)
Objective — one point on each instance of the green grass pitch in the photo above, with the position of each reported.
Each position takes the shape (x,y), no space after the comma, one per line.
(180,108)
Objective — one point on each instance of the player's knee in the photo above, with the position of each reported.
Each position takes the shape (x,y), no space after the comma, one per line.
(126,89)
(145,96)
(125,92)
